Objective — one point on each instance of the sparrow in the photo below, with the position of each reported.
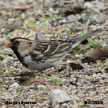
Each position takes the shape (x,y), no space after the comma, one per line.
(40,53)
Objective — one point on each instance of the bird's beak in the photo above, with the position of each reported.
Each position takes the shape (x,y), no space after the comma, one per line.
(8,44)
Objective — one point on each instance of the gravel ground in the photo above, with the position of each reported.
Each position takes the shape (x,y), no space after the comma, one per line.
(70,86)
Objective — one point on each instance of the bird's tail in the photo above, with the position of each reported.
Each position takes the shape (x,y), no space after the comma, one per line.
(83,38)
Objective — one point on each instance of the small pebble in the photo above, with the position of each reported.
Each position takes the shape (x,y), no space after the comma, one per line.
(14,85)
(59,96)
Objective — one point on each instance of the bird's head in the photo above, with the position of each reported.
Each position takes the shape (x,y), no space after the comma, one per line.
(18,44)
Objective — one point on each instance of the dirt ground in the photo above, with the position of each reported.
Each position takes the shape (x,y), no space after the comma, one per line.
(83,75)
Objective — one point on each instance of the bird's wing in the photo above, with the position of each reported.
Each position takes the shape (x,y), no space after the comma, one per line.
(58,48)
(53,48)
(50,52)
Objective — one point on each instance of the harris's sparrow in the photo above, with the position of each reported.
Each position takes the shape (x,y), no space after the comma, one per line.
(40,54)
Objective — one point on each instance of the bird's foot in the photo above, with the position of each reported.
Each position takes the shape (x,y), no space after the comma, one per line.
(51,71)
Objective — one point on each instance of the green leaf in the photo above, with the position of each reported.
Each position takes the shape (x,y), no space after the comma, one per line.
(31,24)
(77,48)
(18,89)
(57,69)
(44,25)
(8,38)
(82,33)
(92,42)
(104,46)
(57,79)
(95,12)
(6,54)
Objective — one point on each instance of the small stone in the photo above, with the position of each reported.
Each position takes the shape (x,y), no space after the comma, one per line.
(59,19)
(59,96)
(23,16)
(14,25)
(63,82)
(96,5)
(10,20)
(61,22)
(106,77)
(71,18)
(40,36)
(47,4)
(14,85)
(59,3)
(98,19)
(75,28)
(83,18)
(41,87)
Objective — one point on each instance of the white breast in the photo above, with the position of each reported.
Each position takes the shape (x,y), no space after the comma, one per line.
(33,65)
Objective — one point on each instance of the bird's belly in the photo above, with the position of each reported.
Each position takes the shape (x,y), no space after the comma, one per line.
(35,65)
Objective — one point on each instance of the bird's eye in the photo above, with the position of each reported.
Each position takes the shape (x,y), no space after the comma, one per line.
(17,42)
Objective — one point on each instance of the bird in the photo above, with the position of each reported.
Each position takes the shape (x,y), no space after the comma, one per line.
(41,53)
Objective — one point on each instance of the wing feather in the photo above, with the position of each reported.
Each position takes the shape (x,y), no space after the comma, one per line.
(55,49)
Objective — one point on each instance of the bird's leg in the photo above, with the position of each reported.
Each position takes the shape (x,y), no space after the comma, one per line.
(38,71)
(51,71)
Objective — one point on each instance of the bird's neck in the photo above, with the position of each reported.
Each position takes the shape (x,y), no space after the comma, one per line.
(18,55)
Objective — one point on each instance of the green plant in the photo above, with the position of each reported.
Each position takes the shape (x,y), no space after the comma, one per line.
(8,38)
(57,69)
(57,79)
(31,24)
(6,54)
(77,48)
(18,89)
(95,12)
(93,43)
